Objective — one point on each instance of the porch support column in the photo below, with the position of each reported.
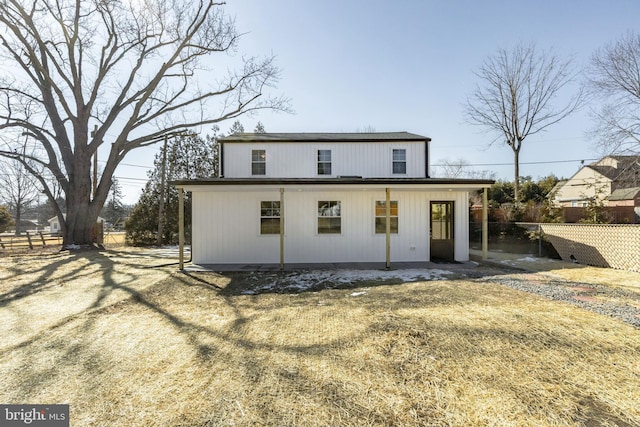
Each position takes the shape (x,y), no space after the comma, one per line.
(388,226)
(181,227)
(281,228)
(485,224)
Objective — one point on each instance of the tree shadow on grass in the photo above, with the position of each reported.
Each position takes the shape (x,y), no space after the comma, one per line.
(40,282)
(71,353)
(172,301)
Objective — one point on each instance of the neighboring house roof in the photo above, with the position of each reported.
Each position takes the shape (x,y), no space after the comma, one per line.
(324,137)
(625,194)
(625,173)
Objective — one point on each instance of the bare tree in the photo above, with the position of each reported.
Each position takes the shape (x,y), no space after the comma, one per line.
(17,188)
(139,70)
(515,95)
(460,168)
(614,76)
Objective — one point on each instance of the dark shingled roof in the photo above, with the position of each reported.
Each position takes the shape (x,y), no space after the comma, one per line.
(324,137)
(624,194)
(626,175)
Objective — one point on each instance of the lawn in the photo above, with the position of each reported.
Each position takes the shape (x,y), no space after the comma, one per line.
(126,344)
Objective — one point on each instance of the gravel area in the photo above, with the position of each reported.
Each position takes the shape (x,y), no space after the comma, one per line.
(601,299)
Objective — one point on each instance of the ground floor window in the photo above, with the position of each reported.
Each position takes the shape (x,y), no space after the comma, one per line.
(381,217)
(270,217)
(329,220)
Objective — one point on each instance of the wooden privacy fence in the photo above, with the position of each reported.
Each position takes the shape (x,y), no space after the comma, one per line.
(29,240)
(601,245)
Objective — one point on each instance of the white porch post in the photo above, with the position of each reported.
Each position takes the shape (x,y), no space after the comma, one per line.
(181,227)
(388,226)
(485,224)
(281,228)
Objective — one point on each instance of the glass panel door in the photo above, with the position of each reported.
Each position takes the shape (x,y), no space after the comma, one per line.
(441,231)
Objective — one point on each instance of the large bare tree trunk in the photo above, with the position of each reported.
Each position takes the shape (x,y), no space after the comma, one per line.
(18,219)
(72,62)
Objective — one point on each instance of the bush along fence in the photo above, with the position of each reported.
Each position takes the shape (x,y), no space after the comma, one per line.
(600,245)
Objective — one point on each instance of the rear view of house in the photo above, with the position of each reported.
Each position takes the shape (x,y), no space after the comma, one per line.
(328,198)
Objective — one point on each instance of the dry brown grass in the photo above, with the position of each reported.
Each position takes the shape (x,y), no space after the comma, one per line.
(627,280)
(132,346)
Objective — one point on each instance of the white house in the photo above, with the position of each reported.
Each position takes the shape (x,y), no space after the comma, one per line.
(292,198)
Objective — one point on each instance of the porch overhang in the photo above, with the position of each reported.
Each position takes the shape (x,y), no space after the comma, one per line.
(251,184)
(387,185)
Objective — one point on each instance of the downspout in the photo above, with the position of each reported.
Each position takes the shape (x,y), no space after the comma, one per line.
(426,158)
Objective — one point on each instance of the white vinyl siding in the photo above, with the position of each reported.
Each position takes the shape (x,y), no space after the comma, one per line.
(300,160)
(232,235)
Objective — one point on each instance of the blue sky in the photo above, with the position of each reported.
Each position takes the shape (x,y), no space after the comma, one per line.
(409,66)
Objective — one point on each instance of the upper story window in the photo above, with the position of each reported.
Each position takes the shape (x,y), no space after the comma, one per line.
(381,217)
(258,162)
(329,219)
(399,161)
(324,162)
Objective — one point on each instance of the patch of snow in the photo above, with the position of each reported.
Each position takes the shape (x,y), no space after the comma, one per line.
(531,259)
(301,281)
(528,259)
(357,294)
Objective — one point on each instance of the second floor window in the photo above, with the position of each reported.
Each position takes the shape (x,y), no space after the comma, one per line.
(258,162)
(324,162)
(399,161)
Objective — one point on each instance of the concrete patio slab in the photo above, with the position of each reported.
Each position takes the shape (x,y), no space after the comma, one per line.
(325,266)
